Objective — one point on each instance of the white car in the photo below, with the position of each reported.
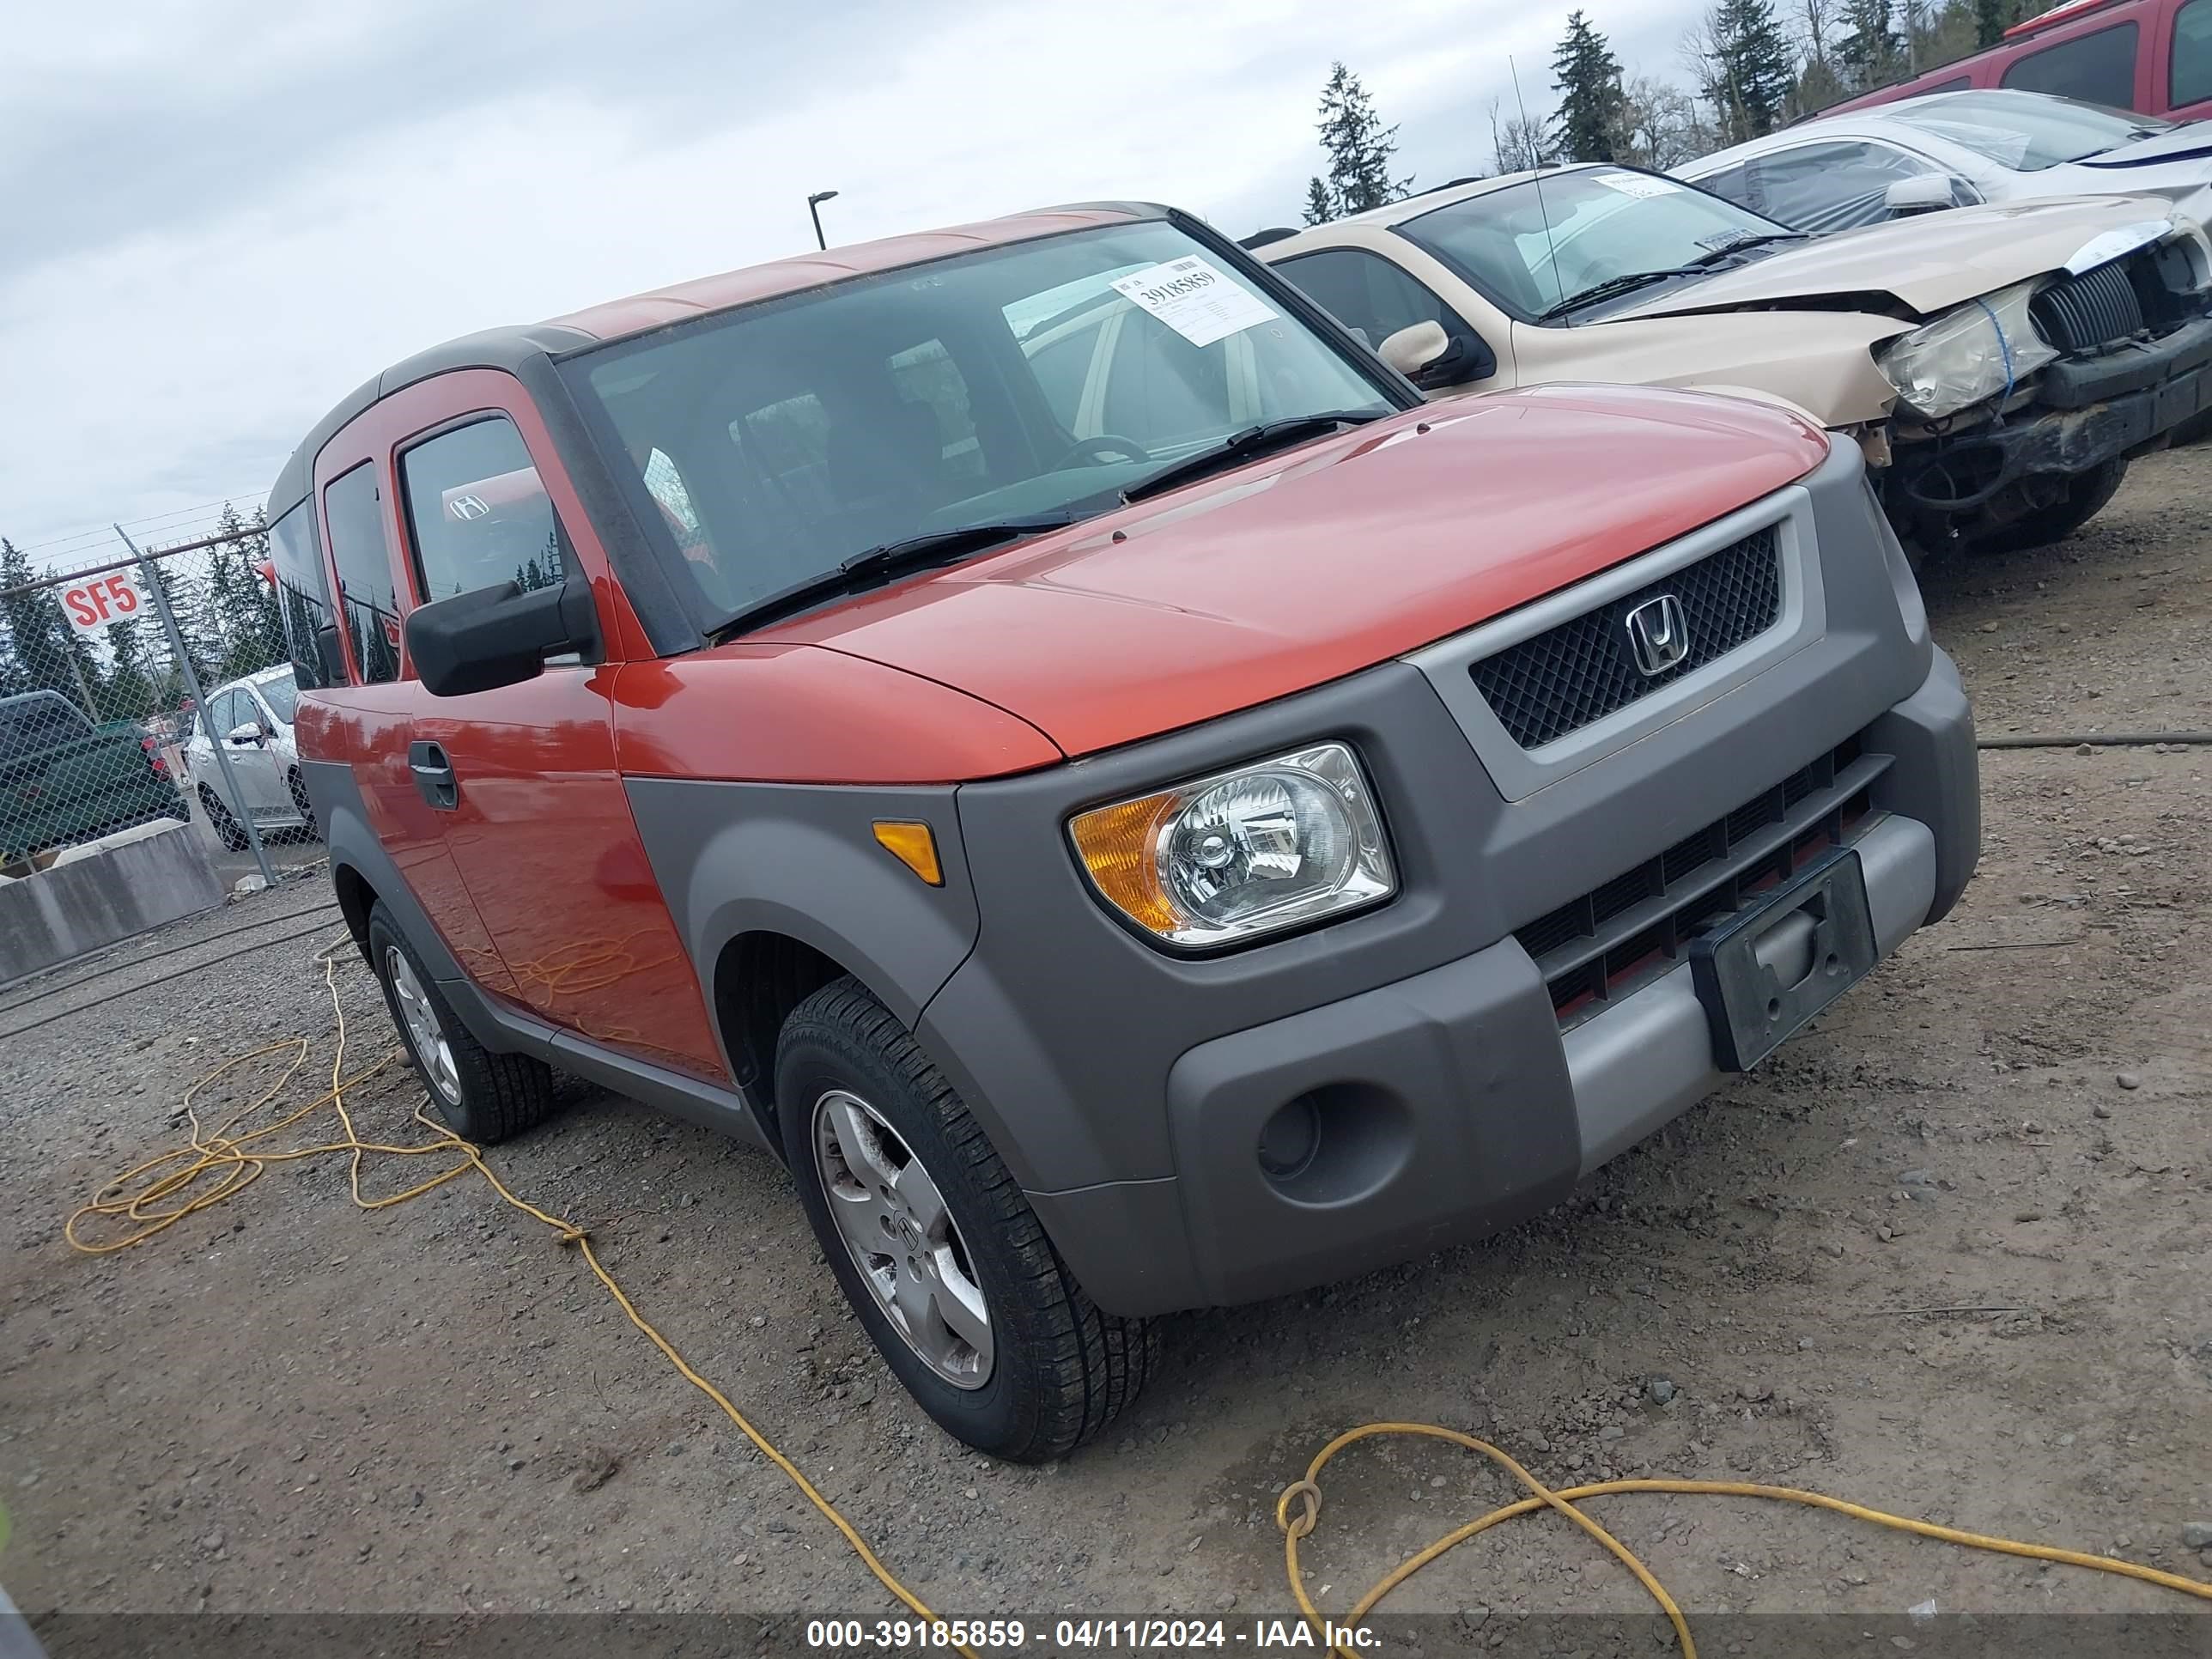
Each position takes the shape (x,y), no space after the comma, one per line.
(1955,148)
(252,719)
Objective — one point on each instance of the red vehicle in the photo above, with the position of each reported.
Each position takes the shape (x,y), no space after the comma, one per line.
(1038,727)
(2154,55)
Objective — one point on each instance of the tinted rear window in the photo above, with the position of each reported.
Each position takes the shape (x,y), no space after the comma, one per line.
(2098,69)
(303,592)
(38,723)
(364,565)
(2190,77)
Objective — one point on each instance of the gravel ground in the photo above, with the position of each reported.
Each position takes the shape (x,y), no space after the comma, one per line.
(288,1403)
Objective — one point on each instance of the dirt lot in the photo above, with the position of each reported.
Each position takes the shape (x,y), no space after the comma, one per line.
(290,1404)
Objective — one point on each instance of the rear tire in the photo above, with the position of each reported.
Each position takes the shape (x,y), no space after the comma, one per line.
(933,1262)
(231,832)
(298,790)
(483,1097)
(2086,496)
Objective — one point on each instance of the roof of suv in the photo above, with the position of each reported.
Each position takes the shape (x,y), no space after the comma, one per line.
(509,347)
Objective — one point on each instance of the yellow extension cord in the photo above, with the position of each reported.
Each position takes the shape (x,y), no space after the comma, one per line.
(222,1162)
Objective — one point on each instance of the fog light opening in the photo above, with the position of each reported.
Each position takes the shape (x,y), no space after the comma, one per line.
(1289,1140)
(1338,1144)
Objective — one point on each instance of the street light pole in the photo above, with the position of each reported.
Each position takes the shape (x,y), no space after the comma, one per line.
(814,210)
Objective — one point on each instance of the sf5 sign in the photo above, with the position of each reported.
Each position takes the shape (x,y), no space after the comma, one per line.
(96,601)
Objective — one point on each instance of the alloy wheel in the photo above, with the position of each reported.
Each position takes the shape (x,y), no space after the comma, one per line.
(426,1035)
(894,1224)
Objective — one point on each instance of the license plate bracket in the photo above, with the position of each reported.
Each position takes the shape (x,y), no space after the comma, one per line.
(1770,968)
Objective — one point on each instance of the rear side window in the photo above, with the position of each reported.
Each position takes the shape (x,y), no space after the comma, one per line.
(2191,81)
(282,697)
(366,592)
(1368,294)
(478,515)
(303,592)
(2098,69)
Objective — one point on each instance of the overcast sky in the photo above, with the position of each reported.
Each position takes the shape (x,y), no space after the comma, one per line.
(218,216)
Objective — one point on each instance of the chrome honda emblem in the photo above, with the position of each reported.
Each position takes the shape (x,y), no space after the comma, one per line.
(1659,635)
(466,507)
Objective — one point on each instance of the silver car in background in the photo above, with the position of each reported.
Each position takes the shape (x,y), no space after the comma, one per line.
(252,719)
(1955,148)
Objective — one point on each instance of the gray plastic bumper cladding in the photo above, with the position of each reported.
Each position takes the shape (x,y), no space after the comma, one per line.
(1434,1094)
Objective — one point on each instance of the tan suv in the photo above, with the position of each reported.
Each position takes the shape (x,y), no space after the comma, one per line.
(1998,364)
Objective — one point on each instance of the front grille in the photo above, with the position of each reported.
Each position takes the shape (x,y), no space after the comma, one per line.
(1564,679)
(2092,312)
(1621,934)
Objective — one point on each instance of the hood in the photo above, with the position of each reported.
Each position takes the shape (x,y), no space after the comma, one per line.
(1304,567)
(2190,142)
(1929,262)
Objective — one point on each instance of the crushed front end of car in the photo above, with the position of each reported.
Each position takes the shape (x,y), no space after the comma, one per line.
(2017,411)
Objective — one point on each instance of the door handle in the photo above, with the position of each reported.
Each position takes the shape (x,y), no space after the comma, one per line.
(434,775)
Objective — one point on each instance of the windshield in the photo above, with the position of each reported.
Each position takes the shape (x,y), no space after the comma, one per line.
(282,693)
(2026,132)
(774,442)
(1530,245)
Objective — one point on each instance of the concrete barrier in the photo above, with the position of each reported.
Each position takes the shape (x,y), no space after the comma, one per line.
(97,894)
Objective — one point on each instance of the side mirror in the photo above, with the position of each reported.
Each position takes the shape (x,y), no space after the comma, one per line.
(497,636)
(239,736)
(1431,358)
(1924,192)
(329,654)
(1411,349)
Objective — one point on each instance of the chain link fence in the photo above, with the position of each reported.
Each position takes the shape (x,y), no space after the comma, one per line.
(147,688)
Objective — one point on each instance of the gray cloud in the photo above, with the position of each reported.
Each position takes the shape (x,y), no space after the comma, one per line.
(145,147)
(221,216)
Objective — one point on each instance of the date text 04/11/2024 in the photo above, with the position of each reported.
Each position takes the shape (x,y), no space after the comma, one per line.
(1007,1635)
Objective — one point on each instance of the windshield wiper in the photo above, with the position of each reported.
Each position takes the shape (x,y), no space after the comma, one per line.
(1623,283)
(1244,446)
(881,564)
(1699,266)
(1729,249)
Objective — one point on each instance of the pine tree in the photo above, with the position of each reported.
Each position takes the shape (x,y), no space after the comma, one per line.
(1359,146)
(1587,126)
(128,693)
(42,644)
(1869,53)
(248,625)
(1318,209)
(1749,69)
(1991,19)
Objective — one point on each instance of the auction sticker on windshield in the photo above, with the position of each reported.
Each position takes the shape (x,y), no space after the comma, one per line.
(1197,300)
(1637,183)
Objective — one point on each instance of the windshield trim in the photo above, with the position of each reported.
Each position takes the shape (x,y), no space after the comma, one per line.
(1444,256)
(639,525)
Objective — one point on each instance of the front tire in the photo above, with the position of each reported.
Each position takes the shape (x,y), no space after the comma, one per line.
(227,828)
(939,1254)
(296,788)
(2086,495)
(483,1097)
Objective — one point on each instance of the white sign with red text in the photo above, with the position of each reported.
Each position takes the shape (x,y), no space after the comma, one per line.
(114,596)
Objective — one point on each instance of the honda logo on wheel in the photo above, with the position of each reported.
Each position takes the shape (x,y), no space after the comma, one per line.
(1659,635)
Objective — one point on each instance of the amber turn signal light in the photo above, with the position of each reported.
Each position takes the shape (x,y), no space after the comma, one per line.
(912,844)
(1119,846)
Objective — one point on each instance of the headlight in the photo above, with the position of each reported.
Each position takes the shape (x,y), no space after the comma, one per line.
(1273,845)
(1971,352)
